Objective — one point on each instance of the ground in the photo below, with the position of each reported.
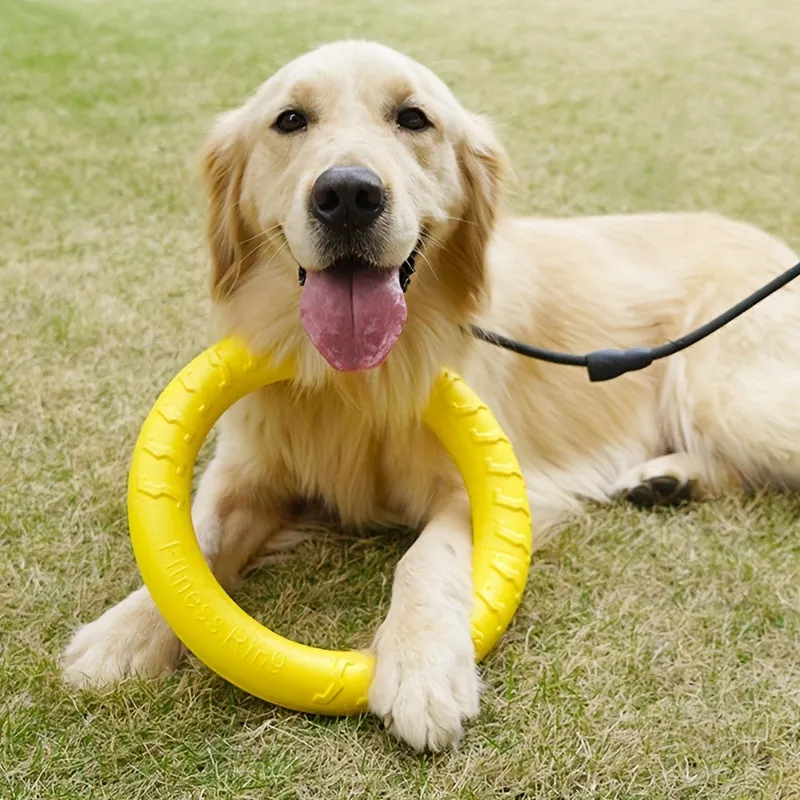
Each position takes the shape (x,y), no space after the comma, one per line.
(655,654)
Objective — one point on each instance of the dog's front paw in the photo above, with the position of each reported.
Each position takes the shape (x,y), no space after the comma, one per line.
(426,682)
(130,639)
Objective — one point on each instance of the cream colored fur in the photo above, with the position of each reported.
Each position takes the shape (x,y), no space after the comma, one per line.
(720,416)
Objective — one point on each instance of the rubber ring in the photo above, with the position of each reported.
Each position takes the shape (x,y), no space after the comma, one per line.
(207,620)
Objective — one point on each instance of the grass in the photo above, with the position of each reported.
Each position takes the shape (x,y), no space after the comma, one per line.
(655,655)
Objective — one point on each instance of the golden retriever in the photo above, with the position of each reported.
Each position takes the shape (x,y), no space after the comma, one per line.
(323,187)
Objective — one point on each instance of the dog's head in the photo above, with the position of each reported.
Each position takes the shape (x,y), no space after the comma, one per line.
(348,168)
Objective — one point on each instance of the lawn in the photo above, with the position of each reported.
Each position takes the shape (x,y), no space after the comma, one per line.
(655,655)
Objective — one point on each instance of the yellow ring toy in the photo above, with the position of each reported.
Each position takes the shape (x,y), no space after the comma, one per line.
(204,617)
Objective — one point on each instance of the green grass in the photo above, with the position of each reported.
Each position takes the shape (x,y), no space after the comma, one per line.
(655,655)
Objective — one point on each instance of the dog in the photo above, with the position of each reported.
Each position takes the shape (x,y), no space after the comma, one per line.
(347,169)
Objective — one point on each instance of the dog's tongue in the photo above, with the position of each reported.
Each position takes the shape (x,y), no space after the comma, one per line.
(353,313)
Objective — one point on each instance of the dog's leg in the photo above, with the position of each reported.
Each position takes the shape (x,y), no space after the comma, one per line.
(426,681)
(232,520)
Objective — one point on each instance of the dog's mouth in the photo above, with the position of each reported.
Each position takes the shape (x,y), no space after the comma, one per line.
(354,311)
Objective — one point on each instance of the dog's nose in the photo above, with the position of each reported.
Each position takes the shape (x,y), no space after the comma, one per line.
(347,198)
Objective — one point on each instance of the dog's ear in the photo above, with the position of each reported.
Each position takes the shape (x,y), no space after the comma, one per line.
(484,165)
(224,158)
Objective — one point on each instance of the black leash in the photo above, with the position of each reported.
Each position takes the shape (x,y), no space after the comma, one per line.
(603,365)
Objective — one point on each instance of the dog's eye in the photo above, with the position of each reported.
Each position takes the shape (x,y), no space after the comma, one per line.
(413,119)
(291,121)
